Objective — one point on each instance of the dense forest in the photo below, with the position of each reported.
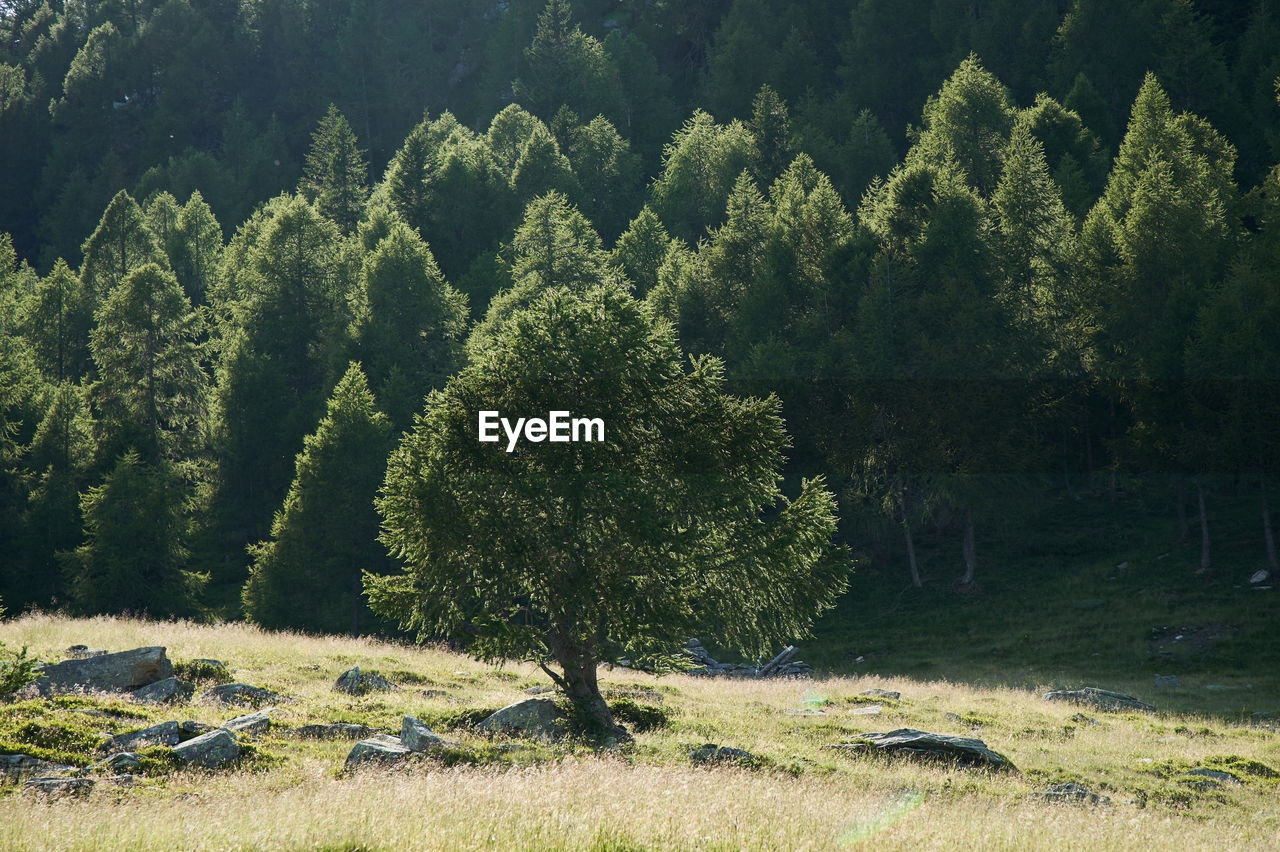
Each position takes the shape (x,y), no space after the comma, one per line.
(982,252)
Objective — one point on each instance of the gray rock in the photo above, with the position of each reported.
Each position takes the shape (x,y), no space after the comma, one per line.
(882,693)
(804,711)
(539,690)
(15,766)
(964,751)
(869,710)
(335,731)
(242,693)
(1216,775)
(59,786)
(416,736)
(163,691)
(191,729)
(1102,699)
(252,723)
(1260,576)
(712,754)
(118,672)
(124,761)
(80,652)
(1073,793)
(356,682)
(1081,719)
(211,750)
(165,734)
(1166,680)
(382,749)
(533,717)
(213,664)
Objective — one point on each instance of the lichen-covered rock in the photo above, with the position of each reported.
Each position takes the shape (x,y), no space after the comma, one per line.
(124,761)
(242,693)
(118,672)
(539,718)
(712,753)
(1073,793)
(334,731)
(1216,775)
(382,749)
(211,750)
(356,682)
(881,693)
(165,691)
(166,734)
(416,736)
(59,786)
(1102,699)
(964,751)
(15,766)
(190,729)
(251,723)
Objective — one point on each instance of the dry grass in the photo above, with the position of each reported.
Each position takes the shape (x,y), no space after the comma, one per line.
(568,797)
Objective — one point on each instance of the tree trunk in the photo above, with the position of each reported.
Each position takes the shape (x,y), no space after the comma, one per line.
(1266,527)
(1204,530)
(970,550)
(578,682)
(911,550)
(1184,530)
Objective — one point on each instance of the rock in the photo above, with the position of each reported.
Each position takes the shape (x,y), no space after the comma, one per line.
(539,690)
(118,672)
(80,652)
(1166,680)
(804,711)
(211,750)
(1073,793)
(211,664)
(881,693)
(242,693)
(381,749)
(869,710)
(335,731)
(1081,719)
(190,729)
(416,736)
(121,761)
(14,766)
(533,717)
(1217,775)
(712,753)
(965,751)
(165,734)
(1259,576)
(356,682)
(1100,698)
(168,690)
(59,786)
(252,723)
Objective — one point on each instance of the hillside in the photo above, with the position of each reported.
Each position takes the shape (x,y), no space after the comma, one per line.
(291,793)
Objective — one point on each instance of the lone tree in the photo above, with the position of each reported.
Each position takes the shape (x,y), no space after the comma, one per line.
(574,554)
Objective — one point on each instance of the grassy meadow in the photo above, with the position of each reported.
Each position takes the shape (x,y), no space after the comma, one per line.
(290,794)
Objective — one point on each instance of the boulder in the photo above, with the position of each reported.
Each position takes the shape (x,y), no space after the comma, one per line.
(881,693)
(124,761)
(80,652)
(59,786)
(416,736)
(165,734)
(1072,793)
(1081,719)
(964,751)
(190,729)
(118,672)
(868,710)
(251,723)
(712,753)
(539,718)
(14,766)
(381,749)
(335,731)
(1216,775)
(209,750)
(356,682)
(163,691)
(1102,699)
(242,693)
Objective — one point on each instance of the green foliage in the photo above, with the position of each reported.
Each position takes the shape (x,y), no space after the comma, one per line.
(16,669)
(699,167)
(55,321)
(122,242)
(564,66)
(307,576)
(336,176)
(198,670)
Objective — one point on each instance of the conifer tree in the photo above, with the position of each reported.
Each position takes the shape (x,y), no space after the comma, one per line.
(336,176)
(122,242)
(55,322)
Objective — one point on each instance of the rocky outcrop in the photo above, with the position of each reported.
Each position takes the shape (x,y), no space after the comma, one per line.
(59,786)
(416,736)
(1072,793)
(251,723)
(242,693)
(381,749)
(211,750)
(881,693)
(908,742)
(124,761)
(15,766)
(169,690)
(119,672)
(713,754)
(538,718)
(165,734)
(356,682)
(1102,699)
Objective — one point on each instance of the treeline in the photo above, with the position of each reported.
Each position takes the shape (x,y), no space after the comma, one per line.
(196,419)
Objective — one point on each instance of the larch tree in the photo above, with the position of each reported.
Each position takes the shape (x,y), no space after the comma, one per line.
(336,176)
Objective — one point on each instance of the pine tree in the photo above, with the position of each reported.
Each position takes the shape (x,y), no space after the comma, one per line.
(122,242)
(336,176)
(308,575)
(770,126)
(55,322)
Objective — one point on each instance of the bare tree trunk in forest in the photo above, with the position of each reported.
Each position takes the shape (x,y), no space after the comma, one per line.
(970,550)
(911,548)
(1180,489)
(1204,530)
(578,682)
(1266,527)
